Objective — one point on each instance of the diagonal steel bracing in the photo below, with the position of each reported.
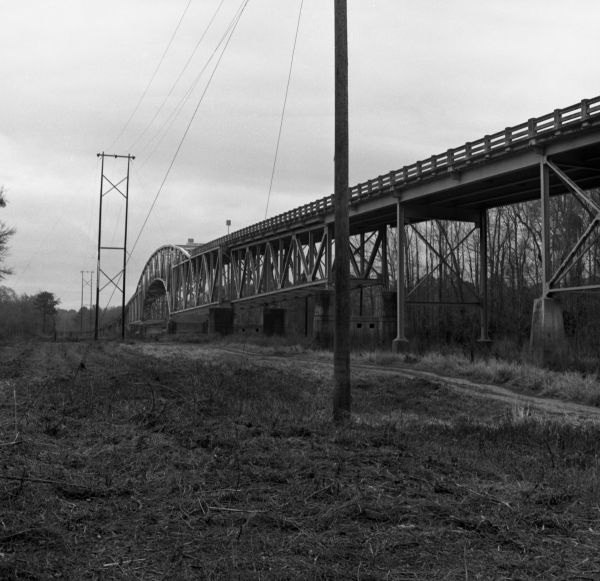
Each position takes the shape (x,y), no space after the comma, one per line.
(177,281)
(553,280)
(444,259)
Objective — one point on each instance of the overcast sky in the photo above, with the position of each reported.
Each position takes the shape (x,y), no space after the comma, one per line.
(424,76)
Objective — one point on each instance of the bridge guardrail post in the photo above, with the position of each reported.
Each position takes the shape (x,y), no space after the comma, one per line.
(585,111)
(557,120)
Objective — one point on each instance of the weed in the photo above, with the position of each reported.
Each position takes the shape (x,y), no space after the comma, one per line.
(583,387)
(174,464)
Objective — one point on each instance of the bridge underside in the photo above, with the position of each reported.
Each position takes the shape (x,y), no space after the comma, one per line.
(276,276)
(463,191)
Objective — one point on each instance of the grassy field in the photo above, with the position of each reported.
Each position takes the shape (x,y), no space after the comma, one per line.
(131,464)
(519,376)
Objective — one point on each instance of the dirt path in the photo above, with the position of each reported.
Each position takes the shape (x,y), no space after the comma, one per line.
(567,410)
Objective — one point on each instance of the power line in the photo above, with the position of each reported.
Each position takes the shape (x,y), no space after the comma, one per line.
(229,34)
(189,125)
(181,73)
(18,275)
(160,62)
(88,251)
(170,120)
(287,90)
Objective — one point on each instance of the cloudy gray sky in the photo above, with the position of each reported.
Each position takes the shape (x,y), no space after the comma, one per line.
(424,76)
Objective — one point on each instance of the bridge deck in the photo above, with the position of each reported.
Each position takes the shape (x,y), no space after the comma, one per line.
(498,169)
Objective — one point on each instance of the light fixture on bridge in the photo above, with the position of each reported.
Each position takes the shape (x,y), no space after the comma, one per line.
(228,224)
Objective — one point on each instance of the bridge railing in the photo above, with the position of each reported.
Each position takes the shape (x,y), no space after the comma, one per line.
(512,138)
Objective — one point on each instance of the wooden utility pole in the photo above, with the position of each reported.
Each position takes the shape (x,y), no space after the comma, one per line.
(342,398)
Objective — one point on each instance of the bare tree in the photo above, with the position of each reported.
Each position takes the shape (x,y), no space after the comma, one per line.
(5,234)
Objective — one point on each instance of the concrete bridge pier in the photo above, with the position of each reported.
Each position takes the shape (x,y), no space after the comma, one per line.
(220,320)
(324,318)
(547,344)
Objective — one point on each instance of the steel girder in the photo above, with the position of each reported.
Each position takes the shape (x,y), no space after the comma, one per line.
(280,263)
(173,281)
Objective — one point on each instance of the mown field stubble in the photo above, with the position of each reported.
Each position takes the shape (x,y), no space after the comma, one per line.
(134,462)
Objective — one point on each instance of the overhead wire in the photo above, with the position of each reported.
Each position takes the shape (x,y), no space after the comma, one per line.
(225,40)
(88,250)
(189,125)
(287,90)
(170,120)
(43,242)
(160,62)
(176,82)
(168,123)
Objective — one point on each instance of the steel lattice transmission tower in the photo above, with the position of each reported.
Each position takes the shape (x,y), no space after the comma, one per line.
(87,280)
(122,187)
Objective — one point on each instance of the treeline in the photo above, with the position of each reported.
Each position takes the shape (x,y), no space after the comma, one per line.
(27,316)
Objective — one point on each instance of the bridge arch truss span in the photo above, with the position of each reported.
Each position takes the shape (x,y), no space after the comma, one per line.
(175,280)
(156,292)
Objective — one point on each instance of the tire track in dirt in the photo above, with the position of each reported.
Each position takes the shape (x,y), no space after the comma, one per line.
(567,410)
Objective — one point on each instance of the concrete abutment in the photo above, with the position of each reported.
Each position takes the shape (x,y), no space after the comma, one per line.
(302,315)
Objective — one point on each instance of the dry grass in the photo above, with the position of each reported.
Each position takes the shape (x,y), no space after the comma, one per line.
(520,377)
(133,466)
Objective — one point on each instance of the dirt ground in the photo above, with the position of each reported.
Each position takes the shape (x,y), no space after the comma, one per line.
(158,461)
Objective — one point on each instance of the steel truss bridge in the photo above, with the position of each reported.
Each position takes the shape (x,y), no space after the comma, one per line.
(292,254)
